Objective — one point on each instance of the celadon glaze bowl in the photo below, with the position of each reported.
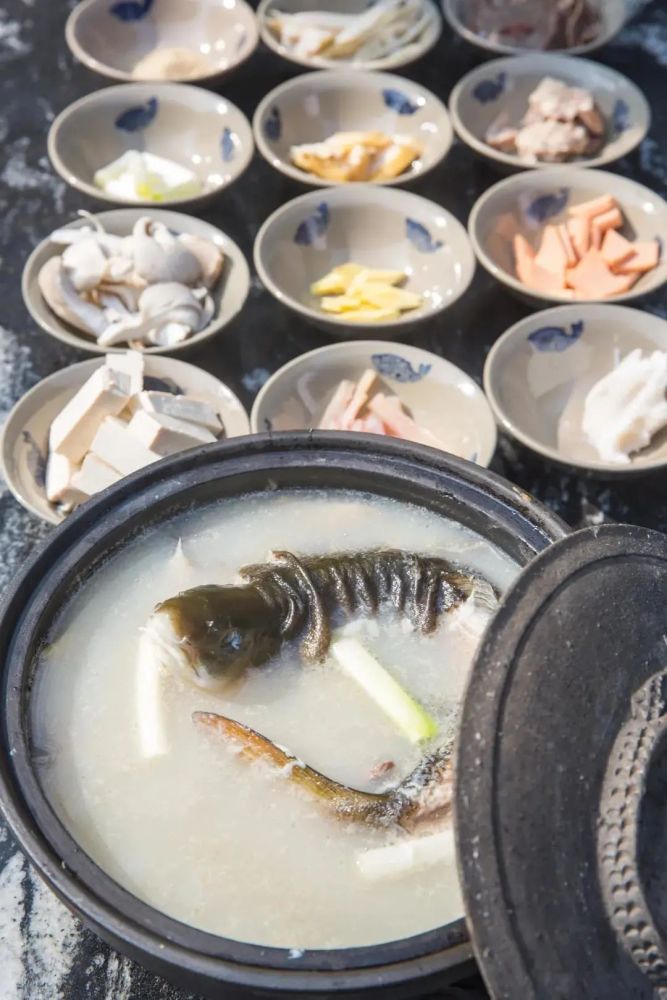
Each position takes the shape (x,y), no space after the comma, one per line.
(370,225)
(439,396)
(229,293)
(312,107)
(502,87)
(111,37)
(526,202)
(537,376)
(188,125)
(25,435)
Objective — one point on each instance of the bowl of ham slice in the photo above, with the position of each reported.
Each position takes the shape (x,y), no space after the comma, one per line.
(378,387)
(584,386)
(568,234)
(535,110)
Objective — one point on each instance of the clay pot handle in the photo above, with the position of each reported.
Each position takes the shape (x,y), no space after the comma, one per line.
(636,746)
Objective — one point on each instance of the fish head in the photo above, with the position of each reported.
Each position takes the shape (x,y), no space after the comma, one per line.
(217,632)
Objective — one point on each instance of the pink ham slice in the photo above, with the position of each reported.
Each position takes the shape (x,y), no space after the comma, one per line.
(580,234)
(589,209)
(603,222)
(331,419)
(359,399)
(616,249)
(398,423)
(592,279)
(646,256)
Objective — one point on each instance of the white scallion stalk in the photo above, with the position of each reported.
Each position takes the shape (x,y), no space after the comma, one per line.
(355,661)
(408,855)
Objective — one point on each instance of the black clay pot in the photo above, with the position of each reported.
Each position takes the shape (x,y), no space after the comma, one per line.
(200,962)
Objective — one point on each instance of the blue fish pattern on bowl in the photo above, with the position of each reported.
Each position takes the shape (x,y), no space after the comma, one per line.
(556,338)
(273,124)
(227,145)
(398,368)
(398,101)
(489,90)
(313,226)
(547,205)
(620,116)
(137,118)
(35,460)
(420,237)
(131,10)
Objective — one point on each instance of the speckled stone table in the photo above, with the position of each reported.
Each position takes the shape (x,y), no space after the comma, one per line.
(44,953)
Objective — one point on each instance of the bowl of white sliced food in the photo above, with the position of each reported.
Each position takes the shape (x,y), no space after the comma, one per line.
(150,280)
(87,426)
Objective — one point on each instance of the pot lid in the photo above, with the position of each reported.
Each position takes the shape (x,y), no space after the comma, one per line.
(562,775)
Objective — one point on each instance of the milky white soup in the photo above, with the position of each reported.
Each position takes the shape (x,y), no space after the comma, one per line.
(221,843)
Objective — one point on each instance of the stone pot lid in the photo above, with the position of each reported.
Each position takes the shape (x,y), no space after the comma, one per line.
(562,776)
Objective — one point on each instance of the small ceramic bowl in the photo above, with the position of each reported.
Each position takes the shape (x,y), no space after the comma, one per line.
(537,376)
(502,87)
(614,14)
(370,225)
(440,397)
(408,54)
(25,435)
(229,294)
(310,108)
(112,37)
(190,126)
(526,202)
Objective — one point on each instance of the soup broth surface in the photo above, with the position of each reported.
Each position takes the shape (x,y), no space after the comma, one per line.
(213,840)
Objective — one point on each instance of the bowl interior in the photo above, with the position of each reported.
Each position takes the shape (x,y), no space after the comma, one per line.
(539,374)
(368,225)
(529,201)
(118,35)
(187,125)
(503,87)
(315,106)
(229,294)
(26,433)
(440,396)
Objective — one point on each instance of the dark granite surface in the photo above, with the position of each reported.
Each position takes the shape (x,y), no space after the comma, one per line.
(44,953)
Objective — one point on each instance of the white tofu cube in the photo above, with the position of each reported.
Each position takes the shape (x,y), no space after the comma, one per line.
(93,476)
(59,472)
(182,408)
(130,363)
(119,448)
(167,435)
(106,393)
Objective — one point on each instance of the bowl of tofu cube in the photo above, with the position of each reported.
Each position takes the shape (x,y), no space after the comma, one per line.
(533,111)
(585,386)
(151,143)
(378,387)
(87,426)
(338,126)
(351,34)
(148,279)
(568,234)
(359,257)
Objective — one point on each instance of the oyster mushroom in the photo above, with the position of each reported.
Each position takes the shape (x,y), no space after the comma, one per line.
(61,296)
(85,263)
(161,257)
(210,258)
(164,303)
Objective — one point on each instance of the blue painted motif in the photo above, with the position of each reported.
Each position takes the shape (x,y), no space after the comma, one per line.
(131,10)
(398,101)
(620,116)
(35,460)
(273,124)
(556,338)
(313,226)
(137,118)
(547,205)
(420,237)
(398,368)
(227,145)
(489,90)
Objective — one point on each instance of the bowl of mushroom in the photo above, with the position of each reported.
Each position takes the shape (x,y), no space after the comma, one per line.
(152,280)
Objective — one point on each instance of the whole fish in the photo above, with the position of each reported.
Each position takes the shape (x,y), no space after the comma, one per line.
(215,632)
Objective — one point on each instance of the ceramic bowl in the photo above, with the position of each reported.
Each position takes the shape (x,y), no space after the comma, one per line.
(367,224)
(537,376)
(441,397)
(310,108)
(614,14)
(402,57)
(111,37)
(25,435)
(229,294)
(504,85)
(528,201)
(193,127)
